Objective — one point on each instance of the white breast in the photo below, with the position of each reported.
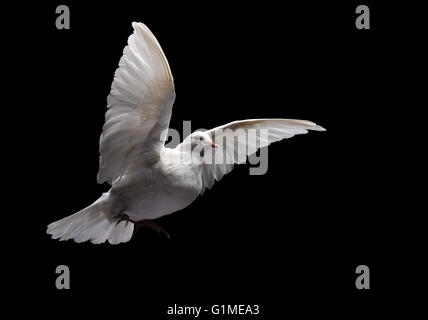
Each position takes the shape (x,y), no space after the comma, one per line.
(158,190)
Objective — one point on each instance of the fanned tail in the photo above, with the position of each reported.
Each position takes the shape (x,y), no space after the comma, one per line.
(94,223)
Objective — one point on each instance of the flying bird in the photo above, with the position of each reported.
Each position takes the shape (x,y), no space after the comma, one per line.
(149,180)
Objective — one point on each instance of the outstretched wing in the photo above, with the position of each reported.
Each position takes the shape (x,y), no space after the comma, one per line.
(139,105)
(240,139)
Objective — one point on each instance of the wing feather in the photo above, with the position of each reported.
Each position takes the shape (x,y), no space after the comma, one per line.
(139,105)
(240,139)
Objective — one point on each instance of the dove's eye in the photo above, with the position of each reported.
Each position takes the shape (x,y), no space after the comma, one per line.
(201,138)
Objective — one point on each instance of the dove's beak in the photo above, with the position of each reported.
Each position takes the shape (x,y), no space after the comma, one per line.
(214,145)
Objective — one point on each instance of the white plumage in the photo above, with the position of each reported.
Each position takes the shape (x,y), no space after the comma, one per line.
(147,179)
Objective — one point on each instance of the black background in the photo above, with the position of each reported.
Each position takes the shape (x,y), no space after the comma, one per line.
(289,240)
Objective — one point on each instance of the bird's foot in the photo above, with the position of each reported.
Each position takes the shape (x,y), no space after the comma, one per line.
(151,225)
(141,224)
(123,217)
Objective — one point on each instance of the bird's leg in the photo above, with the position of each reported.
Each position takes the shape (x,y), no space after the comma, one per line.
(152,225)
(123,217)
(142,224)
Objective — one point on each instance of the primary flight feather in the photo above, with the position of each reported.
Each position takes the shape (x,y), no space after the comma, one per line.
(148,180)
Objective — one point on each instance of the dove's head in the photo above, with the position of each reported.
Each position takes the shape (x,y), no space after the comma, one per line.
(202,140)
(198,143)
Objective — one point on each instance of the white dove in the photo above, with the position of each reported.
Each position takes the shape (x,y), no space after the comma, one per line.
(147,179)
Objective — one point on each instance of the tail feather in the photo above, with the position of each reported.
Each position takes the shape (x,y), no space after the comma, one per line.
(93,223)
